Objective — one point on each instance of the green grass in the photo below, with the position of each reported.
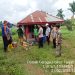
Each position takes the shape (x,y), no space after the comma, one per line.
(15,62)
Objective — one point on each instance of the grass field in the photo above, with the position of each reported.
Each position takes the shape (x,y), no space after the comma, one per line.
(15,61)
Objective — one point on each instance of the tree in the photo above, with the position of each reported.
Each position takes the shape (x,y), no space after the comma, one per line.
(68,24)
(72,8)
(60,14)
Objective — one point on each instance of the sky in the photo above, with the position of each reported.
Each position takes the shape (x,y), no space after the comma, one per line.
(15,10)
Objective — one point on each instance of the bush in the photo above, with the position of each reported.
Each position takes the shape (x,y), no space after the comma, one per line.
(13,30)
(69,27)
(68,24)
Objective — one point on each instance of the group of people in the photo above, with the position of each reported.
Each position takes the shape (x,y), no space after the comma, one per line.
(40,35)
(53,32)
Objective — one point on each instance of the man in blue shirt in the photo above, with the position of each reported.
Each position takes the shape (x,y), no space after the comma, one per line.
(4,35)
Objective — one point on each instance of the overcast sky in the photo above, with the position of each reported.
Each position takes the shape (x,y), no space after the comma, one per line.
(15,10)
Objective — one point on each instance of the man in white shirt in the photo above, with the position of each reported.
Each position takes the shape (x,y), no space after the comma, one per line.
(48,33)
(40,35)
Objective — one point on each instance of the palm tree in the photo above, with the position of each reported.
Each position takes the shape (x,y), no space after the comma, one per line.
(60,14)
(72,8)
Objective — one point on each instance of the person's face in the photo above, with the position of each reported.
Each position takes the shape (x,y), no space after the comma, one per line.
(38,26)
(57,28)
(5,24)
(35,27)
(54,28)
(46,26)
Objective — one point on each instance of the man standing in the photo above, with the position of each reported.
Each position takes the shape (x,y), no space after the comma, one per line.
(58,41)
(40,35)
(4,35)
(48,33)
(20,34)
(35,33)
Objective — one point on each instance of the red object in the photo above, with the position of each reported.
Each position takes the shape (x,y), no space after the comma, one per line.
(27,30)
(40,17)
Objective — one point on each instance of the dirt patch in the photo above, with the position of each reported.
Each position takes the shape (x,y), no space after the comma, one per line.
(34,70)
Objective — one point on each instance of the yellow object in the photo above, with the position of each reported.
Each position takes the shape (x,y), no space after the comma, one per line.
(10,46)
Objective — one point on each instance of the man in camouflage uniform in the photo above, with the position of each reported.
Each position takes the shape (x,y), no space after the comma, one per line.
(58,41)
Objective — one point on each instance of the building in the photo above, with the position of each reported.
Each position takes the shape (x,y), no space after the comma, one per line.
(38,18)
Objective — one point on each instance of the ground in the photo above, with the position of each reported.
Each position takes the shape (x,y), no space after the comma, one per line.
(15,61)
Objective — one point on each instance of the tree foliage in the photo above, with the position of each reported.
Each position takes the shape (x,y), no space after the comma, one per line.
(72,7)
(68,24)
(60,14)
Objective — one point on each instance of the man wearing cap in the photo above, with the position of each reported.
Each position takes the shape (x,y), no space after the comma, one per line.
(48,33)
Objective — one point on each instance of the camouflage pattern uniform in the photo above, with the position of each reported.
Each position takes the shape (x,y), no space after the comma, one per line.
(58,43)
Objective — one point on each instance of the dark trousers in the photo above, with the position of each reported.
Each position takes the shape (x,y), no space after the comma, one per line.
(54,43)
(41,42)
(5,41)
(48,39)
(10,41)
(35,38)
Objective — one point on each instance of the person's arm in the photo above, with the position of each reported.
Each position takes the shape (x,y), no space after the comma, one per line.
(39,32)
(52,33)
